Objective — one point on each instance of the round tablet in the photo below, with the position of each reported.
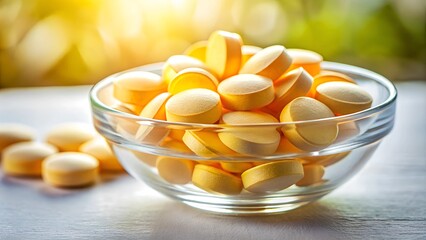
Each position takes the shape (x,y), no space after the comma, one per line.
(215,180)
(236,167)
(326,160)
(196,145)
(293,84)
(197,50)
(155,109)
(223,54)
(343,97)
(287,147)
(196,105)
(24,158)
(313,173)
(308,60)
(135,109)
(70,169)
(246,92)
(138,87)
(248,51)
(192,78)
(11,133)
(69,136)
(175,170)
(250,140)
(210,140)
(270,62)
(177,63)
(273,176)
(309,137)
(327,76)
(124,126)
(99,148)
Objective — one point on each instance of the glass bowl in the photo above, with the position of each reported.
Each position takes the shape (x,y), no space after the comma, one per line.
(359,135)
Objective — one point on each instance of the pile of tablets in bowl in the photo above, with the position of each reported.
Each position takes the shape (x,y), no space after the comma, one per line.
(222,81)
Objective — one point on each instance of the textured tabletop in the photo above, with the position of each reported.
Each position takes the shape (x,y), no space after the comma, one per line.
(386,200)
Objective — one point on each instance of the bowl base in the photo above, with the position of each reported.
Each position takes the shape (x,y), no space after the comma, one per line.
(275,204)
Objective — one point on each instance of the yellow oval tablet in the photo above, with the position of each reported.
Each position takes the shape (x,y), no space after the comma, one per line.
(309,137)
(11,133)
(270,62)
(291,85)
(313,173)
(248,51)
(154,109)
(214,180)
(196,146)
(177,63)
(125,126)
(138,87)
(327,76)
(192,78)
(343,97)
(308,60)
(287,147)
(99,148)
(246,92)
(223,54)
(326,160)
(175,170)
(205,144)
(135,109)
(273,176)
(212,142)
(25,158)
(70,169)
(196,105)
(68,137)
(250,140)
(197,50)
(235,167)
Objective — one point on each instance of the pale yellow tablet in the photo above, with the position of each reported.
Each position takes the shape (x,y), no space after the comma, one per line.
(308,60)
(25,158)
(291,85)
(308,136)
(99,148)
(236,167)
(246,92)
(313,174)
(223,54)
(192,78)
(250,140)
(177,63)
(138,87)
(175,170)
(11,133)
(270,62)
(197,50)
(212,179)
(196,105)
(328,76)
(343,97)
(70,169)
(248,51)
(155,109)
(70,136)
(273,176)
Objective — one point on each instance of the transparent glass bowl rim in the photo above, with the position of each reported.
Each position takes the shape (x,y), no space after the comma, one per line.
(333,66)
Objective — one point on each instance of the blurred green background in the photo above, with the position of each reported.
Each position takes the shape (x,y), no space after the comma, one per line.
(69,42)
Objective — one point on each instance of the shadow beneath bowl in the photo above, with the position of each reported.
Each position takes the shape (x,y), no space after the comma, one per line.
(164,218)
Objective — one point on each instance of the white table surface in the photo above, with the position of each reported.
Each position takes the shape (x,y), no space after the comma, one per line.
(386,200)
